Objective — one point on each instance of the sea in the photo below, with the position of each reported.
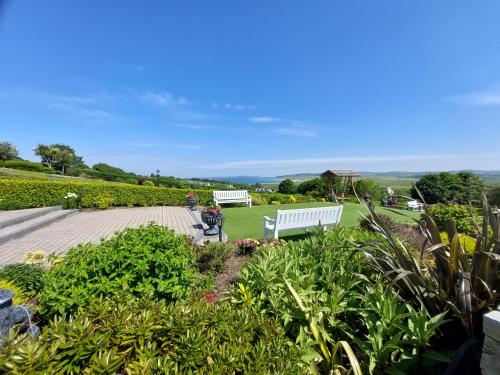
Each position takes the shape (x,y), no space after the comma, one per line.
(250,180)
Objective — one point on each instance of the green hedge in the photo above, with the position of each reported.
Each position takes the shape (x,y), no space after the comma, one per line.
(36,193)
(26,166)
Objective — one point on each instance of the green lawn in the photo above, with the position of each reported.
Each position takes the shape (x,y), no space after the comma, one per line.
(244,222)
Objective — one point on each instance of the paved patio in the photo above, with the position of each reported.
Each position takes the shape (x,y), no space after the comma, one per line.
(91,226)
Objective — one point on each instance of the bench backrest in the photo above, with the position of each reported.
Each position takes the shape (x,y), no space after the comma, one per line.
(230,194)
(308,217)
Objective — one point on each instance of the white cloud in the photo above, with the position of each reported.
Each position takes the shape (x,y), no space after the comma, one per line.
(348,161)
(265,119)
(478,98)
(178,107)
(296,131)
(234,107)
(196,126)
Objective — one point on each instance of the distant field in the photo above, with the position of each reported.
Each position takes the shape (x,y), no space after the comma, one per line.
(18,173)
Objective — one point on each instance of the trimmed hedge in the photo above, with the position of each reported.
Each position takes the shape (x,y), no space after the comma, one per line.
(26,166)
(36,193)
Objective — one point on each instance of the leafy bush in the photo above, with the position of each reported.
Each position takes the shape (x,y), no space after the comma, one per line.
(258,199)
(148,183)
(468,243)
(37,193)
(465,287)
(329,300)
(442,187)
(104,201)
(140,336)
(369,186)
(213,256)
(317,187)
(286,187)
(20,296)
(26,166)
(494,195)
(461,215)
(149,260)
(8,151)
(28,277)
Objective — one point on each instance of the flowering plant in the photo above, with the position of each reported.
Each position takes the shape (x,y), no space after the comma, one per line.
(272,243)
(70,200)
(191,194)
(212,211)
(246,245)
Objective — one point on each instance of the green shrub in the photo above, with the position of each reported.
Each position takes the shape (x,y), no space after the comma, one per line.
(287,186)
(38,193)
(149,260)
(369,186)
(140,336)
(148,183)
(494,195)
(468,243)
(258,199)
(104,201)
(460,214)
(342,299)
(20,296)
(28,277)
(27,166)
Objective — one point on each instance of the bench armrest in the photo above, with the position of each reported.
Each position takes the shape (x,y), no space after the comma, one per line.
(268,219)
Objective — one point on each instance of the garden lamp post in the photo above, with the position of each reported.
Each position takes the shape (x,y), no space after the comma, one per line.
(158,176)
(220,224)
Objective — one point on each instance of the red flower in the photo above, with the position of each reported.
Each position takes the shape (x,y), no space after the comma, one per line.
(209,297)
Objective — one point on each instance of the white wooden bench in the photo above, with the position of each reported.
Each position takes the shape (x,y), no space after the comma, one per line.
(302,219)
(232,196)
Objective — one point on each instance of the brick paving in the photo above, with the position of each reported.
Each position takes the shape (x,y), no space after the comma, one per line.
(91,226)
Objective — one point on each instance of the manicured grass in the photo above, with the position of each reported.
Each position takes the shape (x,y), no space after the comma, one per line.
(244,222)
(11,173)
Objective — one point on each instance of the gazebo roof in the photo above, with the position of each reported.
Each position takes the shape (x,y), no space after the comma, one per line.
(339,173)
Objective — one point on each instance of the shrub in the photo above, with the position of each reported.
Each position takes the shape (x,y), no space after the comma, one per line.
(28,277)
(369,186)
(286,187)
(468,243)
(259,199)
(38,193)
(148,183)
(140,336)
(329,300)
(212,257)
(20,296)
(149,260)
(27,166)
(461,215)
(104,201)
(494,195)
(317,187)
(442,187)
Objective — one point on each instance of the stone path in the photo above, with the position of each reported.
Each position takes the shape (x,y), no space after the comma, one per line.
(91,226)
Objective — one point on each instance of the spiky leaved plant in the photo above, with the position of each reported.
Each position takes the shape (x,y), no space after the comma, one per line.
(441,276)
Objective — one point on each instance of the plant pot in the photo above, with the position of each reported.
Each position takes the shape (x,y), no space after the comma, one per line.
(211,221)
(192,202)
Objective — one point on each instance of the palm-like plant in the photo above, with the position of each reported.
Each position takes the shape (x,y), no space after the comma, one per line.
(442,277)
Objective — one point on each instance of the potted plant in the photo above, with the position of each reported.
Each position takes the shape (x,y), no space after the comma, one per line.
(192,200)
(210,216)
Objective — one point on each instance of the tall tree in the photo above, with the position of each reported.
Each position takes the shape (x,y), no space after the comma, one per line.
(8,151)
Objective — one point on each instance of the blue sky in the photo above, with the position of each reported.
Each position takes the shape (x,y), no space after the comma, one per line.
(219,88)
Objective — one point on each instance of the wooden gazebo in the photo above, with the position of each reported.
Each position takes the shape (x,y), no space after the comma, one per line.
(345,174)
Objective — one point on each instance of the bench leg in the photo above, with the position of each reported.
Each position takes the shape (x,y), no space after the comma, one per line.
(275,234)
(265,232)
